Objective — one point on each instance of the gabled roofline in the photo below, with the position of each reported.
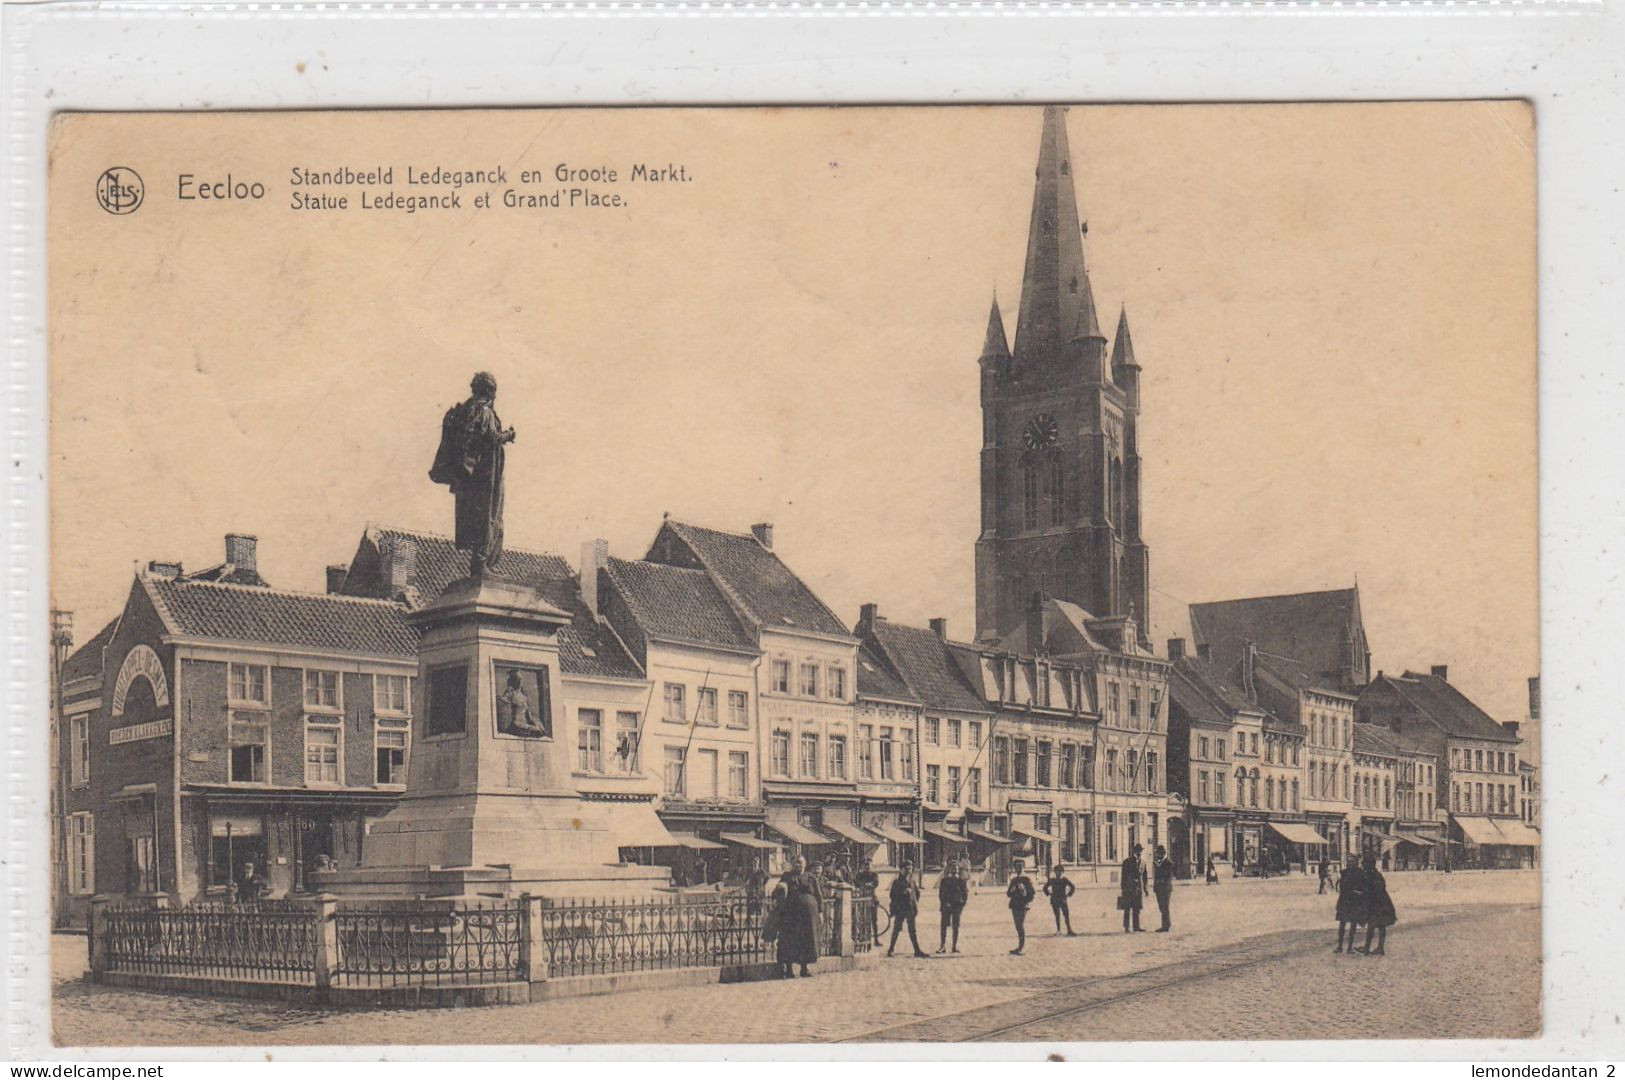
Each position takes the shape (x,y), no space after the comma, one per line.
(678,528)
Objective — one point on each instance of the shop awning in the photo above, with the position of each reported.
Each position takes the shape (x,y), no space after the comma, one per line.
(747,840)
(1297,832)
(983,834)
(1479,830)
(1414,838)
(1518,834)
(896,835)
(1036,834)
(943,834)
(637,825)
(798,833)
(850,831)
(697,843)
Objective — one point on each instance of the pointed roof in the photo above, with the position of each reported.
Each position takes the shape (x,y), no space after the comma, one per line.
(1123,347)
(925,665)
(1057,304)
(677,603)
(877,681)
(254,613)
(996,345)
(1310,628)
(87,659)
(1448,708)
(766,591)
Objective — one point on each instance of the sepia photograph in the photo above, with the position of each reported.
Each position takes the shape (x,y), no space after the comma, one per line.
(795,575)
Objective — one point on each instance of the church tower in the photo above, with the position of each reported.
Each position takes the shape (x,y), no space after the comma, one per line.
(1060,452)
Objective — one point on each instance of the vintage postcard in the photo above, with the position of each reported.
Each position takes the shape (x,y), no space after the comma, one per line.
(794,575)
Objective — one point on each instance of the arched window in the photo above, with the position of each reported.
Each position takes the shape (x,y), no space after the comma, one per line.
(1294,795)
(1029,494)
(1114,492)
(1057,490)
(1345,781)
(1253,792)
(1269,796)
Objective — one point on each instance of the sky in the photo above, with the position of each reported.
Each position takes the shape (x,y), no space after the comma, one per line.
(1334,308)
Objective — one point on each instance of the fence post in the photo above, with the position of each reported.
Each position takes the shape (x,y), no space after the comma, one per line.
(844,926)
(532,946)
(327,941)
(96,930)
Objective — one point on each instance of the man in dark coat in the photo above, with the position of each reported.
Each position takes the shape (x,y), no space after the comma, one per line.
(1059,890)
(953,892)
(905,907)
(1162,884)
(1021,893)
(1378,908)
(798,919)
(1132,896)
(1350,905)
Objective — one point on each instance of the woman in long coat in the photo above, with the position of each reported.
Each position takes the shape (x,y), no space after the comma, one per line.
(1379,908)
(1350,906)
(798,919)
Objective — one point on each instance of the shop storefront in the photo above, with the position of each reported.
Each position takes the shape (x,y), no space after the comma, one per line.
(286,836)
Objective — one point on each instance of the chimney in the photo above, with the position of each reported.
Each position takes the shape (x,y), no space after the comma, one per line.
(169,570)
(335,577)
(1035,623)
(1534,697)
(1176,648)
(594,557)
(1204,651)
(242,551)
(1511,727)
(400,559)
(1249,661)
(763,531)
(939,627)
(868,615)
(1441,671)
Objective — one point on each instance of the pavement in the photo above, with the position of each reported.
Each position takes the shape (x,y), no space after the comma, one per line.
(1247,959)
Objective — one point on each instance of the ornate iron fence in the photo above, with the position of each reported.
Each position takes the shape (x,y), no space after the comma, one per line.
(252,943)
(462,945)
(598,937)
(865,932)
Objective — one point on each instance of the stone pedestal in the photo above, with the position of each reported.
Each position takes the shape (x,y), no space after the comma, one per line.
(489,808)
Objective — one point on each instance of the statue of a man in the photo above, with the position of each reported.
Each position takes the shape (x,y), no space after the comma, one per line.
(469,461)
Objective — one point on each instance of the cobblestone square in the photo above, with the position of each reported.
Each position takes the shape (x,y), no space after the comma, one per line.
(1247,959)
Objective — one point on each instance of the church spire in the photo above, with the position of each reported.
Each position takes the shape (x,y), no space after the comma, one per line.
(996,345)
(1123,347)
(1057,304)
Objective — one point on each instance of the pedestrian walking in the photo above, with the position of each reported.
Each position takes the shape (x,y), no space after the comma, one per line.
(798,919)
(1021,893)
(953,891)
(1059,890)
(1132,894)
(1325,870)
(905,906)
(1212,872)
(1162,884)
(1379,908)
(1350,906)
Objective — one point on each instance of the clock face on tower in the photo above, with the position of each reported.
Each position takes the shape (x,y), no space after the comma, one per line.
(1041,432)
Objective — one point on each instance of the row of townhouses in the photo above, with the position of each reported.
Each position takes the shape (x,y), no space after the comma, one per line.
(735,718)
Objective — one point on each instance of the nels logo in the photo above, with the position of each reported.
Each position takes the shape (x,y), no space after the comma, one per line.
(119,190)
